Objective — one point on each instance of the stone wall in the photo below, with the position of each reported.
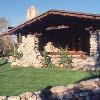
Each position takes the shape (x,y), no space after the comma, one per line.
(88,63)
(85,90)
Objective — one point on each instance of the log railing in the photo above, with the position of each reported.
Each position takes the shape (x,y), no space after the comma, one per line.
(74,54)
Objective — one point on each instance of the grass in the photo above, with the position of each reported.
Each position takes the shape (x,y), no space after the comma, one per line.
(14,81)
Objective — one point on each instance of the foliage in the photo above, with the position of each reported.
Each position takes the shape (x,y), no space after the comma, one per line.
(47,60)
(1,61)
(65,59)
(15,52)
(6,52)
(6,44)
(4,23)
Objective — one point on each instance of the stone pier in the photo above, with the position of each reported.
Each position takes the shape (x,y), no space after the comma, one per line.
(93,43)
(28,49)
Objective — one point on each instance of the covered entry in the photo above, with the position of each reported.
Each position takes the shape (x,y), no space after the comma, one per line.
(76,42)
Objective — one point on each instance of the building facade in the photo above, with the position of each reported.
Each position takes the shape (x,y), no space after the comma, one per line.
(57,29)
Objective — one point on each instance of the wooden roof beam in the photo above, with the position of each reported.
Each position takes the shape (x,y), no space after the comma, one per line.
(57,27)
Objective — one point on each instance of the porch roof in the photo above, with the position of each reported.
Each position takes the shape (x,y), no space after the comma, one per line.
(94,18)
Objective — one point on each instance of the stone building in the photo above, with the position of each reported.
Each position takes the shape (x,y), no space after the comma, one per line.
(55,29)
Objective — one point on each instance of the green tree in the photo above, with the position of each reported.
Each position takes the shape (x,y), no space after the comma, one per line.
(47,60)
(65,59)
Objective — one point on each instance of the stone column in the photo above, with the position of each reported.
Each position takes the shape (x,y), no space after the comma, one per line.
(30,53)
(38,59)
(97,65)
(98,41)
(93,44)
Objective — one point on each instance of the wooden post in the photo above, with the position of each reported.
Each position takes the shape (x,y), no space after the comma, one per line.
(19,38)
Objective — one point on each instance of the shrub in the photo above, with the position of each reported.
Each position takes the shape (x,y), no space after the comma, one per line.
(7,52)
(15,53)
(2,61)
(65,59)
(47,60)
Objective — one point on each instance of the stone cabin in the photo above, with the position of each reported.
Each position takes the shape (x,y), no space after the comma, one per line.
(55,29)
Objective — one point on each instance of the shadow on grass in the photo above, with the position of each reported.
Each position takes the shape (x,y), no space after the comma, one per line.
(46,93)
(3,63)
(93,75)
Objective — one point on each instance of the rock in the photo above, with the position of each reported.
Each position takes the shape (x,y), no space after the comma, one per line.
(2,97)
(14,98)
(12,59)
(58,89)
(13,64)
(97,82)
(23,99)
(82,94)
(23,95)
(67,96)
(71,86)
(37,93)
(38,97)
(90,84)
(96,79)
(53,97)
(33,98)
(60,96)
(5,59)
(95,97)
(96,91)
(26,95)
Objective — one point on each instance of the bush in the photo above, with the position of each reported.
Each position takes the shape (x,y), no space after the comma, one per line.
(7,52)
(15,53)
(2,61)
(65,59)
(47,60)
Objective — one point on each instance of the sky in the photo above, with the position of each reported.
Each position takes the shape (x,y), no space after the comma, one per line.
(15,10)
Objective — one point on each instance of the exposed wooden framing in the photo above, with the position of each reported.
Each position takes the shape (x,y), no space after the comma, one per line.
(55,12)
(19,38)
(88,28)
(57,27)
(98,17)
(75,15)
(75,54)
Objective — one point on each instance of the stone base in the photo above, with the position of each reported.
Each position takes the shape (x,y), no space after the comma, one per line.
(88,63)
(37,63)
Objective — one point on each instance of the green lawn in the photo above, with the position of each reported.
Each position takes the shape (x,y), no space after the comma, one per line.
(14,81)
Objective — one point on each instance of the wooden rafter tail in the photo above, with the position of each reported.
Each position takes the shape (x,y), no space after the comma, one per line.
(57,27)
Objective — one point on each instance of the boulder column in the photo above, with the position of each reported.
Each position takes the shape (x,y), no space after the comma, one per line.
(93,44)
(30,52)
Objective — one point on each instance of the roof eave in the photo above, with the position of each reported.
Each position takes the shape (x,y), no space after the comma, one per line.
(68,13)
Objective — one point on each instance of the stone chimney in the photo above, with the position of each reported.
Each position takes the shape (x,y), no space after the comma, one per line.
(31,13)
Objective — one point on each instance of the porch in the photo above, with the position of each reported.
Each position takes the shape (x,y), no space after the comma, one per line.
(77,43)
